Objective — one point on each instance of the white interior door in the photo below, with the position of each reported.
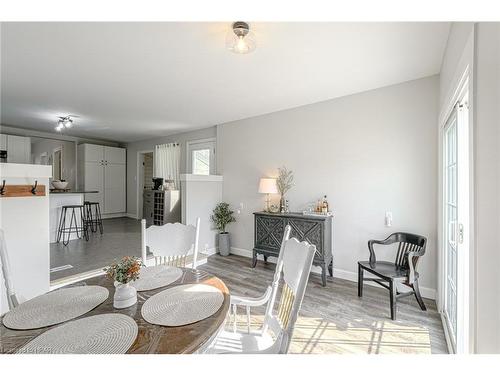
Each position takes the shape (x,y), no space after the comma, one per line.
(456,210)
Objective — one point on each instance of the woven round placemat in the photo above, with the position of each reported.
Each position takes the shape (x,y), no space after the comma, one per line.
(98,334)
(156,277)
(183,304)
(55,307)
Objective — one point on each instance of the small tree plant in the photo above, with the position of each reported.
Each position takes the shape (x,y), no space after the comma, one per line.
(222,216)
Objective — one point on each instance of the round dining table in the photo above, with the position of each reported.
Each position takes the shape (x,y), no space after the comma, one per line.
(151,338)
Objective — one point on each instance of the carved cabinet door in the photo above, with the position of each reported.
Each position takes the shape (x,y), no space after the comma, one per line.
(310,231)
(269,232)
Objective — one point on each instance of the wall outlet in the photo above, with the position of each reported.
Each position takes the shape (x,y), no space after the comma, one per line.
(388,219)
(240,208)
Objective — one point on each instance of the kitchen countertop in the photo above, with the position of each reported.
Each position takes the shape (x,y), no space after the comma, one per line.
(75,192)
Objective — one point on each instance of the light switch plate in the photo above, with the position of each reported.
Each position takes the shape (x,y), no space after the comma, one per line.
(388,219)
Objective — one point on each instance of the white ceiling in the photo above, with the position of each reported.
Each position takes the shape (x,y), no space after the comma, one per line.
(132,81)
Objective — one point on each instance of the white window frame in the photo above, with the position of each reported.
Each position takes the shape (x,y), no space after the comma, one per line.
(201,144)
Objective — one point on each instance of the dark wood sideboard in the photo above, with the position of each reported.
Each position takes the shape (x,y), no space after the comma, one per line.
(317,230)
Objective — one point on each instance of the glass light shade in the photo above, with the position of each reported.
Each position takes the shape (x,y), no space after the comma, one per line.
(268,186)
(240,40)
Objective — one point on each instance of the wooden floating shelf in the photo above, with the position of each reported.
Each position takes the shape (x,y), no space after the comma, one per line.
(11,191)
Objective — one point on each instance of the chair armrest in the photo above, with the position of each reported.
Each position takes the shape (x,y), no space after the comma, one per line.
(412,263)
(252,301)
(389,240)
(373,258)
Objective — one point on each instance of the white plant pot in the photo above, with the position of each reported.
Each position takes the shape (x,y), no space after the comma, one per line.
(125,296)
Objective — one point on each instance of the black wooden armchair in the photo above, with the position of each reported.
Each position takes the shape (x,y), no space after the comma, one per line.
(402,270)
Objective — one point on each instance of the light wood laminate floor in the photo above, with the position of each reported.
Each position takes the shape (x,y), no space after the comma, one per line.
(121,237)
(333,319)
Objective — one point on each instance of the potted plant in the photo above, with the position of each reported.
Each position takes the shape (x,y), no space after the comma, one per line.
(122,273)
(284,182)
(222,216)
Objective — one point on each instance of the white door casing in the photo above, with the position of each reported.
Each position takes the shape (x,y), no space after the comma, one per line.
(457,224)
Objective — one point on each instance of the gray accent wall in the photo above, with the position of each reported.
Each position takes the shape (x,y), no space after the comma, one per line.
(369,153)
(148,145)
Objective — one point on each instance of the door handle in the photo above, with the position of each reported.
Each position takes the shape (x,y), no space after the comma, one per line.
(452,234)
(460,233)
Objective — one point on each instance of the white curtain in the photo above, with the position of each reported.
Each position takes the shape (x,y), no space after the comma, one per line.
(167,162)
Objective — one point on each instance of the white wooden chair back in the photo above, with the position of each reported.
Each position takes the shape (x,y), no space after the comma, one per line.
(171,244)
(292,272)
(12,299)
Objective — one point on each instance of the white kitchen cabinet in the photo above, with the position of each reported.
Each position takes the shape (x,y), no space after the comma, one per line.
(94,180)
(114,155)
(18,149)
(114,189)
(93,153)
(103,168)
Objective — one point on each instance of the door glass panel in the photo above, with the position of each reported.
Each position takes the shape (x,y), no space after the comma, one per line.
(201,161)
(451,189)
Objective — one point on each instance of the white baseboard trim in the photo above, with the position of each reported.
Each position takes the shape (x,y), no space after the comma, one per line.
(132,216)
(337,272)
(241,252)
(447,334)
(112,216)
(211,251)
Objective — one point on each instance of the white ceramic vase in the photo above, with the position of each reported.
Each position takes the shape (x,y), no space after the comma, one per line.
(125,296)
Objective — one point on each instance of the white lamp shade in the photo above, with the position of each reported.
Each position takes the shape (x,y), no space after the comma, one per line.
(268,186)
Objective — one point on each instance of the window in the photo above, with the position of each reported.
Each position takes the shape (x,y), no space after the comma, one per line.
(201,161)
(201,157)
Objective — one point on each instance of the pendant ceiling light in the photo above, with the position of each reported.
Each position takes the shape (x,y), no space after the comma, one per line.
(64,123)
(240,39)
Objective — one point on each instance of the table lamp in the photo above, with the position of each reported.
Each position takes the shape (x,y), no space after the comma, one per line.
(268,186)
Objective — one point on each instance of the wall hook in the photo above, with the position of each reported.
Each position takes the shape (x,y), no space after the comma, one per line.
(2,189)
(33,189)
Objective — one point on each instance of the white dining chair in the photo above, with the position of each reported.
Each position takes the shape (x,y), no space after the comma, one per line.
(249,302)
(13,299)
(292,273)
(171,244)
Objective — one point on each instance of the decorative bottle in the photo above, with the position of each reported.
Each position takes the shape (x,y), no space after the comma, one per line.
(324,207)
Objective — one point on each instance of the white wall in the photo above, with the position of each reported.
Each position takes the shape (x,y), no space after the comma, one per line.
(370,152)
(487,168)
(458,54)
(149,144)
(25,222)
(7,129)
(200,195)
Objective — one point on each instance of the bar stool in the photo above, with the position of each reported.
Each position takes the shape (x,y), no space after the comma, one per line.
(93,220)
(73,224)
